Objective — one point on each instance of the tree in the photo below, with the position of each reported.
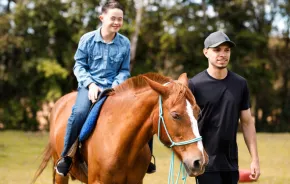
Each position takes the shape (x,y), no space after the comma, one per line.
(134,38)
(39,38)
(281,60)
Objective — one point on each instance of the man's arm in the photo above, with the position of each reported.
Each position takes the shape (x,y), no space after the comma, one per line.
(124,72)
(81,66)
(249,133)
(80,70)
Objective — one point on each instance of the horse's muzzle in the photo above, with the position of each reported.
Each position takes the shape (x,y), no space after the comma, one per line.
(195,167)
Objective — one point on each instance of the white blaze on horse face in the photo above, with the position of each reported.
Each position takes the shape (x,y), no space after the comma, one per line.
(194,126)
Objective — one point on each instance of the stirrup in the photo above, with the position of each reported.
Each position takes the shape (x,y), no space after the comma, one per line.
(152,166)
(153,159)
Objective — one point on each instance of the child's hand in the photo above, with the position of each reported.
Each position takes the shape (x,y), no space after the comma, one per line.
(93,92)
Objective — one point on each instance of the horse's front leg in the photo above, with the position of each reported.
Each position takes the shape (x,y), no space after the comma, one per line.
(94,173)
(105,178)
(60,179)
(137,173)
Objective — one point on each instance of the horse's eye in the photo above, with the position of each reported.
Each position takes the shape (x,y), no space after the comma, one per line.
(175,115)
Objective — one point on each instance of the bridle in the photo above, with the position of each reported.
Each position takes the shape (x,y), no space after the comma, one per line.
(171,168)
(161,119)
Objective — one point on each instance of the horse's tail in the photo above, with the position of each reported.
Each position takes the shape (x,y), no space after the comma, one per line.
(47,153)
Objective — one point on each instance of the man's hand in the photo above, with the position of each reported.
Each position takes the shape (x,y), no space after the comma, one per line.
(93,92)
(255,170)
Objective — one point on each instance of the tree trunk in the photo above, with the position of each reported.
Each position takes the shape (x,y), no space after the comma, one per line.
(204,7)
(134,38)
(8,6)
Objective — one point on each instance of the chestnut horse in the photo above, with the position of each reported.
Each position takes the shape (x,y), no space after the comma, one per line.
(117,150)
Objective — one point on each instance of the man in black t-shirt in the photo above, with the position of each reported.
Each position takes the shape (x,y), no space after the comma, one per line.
(223,97)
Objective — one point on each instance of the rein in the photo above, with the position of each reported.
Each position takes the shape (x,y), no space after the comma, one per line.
(171,168)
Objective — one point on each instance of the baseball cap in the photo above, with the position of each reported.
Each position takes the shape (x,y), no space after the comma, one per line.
(217,38)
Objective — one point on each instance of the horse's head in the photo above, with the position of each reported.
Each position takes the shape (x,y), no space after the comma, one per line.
(178,108)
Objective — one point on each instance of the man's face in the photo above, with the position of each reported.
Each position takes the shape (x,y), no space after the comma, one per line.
(112,20)
(219,56)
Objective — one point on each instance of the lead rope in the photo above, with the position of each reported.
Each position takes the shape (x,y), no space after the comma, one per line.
(171,167)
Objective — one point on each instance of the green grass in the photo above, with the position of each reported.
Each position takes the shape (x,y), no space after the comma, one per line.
(20,156)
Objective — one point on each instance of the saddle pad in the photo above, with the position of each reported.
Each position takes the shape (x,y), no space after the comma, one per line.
(91,120)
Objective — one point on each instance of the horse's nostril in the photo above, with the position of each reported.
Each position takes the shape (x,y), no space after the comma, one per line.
(196,164)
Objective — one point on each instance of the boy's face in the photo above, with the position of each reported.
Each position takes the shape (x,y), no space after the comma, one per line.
(112,20)
(219,56)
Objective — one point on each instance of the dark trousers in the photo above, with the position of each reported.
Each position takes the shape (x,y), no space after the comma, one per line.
(231,177)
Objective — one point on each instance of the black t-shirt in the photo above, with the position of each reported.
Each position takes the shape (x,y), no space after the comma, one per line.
(221,102)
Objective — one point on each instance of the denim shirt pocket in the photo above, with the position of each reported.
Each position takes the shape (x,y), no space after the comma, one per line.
(115,61)
(96,60)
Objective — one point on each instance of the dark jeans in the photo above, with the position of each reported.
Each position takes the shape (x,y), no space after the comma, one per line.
(231,177)
(77,119)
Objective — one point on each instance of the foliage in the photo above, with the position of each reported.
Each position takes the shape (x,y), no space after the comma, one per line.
(38,40)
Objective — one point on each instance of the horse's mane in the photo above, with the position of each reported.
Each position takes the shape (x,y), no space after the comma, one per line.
(138,82)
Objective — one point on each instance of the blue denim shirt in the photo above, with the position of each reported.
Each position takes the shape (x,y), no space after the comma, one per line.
(106,64)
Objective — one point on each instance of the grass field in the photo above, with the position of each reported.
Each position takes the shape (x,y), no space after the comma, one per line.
(20,156)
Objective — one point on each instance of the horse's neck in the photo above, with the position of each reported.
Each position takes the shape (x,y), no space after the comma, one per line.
(138,126)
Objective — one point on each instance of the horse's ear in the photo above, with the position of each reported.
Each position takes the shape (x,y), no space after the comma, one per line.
(183,79)
(159,88)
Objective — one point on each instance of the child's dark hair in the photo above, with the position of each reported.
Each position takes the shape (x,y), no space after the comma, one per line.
(111,4)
